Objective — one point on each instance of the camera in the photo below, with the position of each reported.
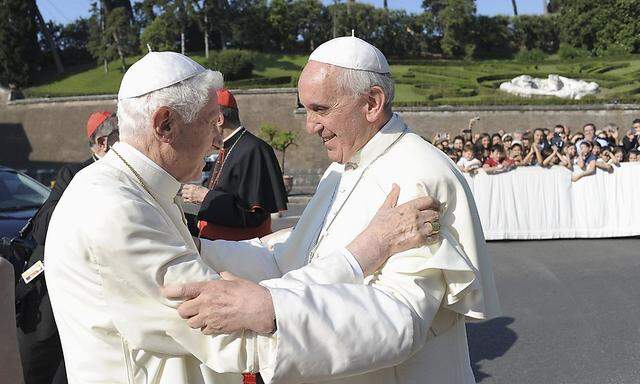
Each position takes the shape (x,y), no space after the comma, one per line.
(557,141)
(17,251)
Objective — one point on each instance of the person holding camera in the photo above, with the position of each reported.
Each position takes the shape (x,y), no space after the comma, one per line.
(586,161)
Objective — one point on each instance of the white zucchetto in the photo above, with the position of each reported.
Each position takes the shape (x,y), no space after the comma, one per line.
(351,52)
(157,70)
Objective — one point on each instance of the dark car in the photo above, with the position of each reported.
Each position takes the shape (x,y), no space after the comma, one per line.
(20,198)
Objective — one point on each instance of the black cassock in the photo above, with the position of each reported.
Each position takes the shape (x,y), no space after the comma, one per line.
(246,187)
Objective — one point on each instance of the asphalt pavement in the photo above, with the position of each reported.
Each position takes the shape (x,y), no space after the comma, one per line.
(571,311)
(571,314)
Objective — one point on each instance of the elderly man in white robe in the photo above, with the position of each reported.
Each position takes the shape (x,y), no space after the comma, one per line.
(105,271)
(419,299)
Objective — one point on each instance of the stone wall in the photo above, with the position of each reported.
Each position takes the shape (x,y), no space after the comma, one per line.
(43,133)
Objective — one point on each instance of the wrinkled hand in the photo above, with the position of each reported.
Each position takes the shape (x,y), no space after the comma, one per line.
(224,306)
(193,193)
(396,229)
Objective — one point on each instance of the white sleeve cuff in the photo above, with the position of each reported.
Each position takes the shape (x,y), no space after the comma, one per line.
(355,265)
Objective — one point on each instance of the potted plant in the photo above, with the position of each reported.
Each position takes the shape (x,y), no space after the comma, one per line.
(280,141)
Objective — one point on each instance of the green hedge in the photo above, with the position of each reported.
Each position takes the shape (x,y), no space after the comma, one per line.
(234,64)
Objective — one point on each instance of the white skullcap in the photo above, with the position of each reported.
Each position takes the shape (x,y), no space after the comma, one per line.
(351,52)
(157,70)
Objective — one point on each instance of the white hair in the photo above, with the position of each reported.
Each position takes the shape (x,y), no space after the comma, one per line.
(187,98)
(359,83)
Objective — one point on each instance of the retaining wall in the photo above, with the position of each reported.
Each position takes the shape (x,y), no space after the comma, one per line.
(46,133)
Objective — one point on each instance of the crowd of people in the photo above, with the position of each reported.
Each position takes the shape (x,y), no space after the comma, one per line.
(581,152)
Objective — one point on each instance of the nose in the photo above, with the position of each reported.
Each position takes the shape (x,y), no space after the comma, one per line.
(312,126)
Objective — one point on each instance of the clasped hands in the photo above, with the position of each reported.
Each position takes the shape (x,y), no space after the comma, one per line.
(232,304)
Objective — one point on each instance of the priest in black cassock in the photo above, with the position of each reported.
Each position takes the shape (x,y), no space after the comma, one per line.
(246,184)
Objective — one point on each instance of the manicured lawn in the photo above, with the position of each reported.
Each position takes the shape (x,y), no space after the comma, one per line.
(419,82)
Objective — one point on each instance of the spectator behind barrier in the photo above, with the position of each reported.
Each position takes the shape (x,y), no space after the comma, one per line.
(467,163)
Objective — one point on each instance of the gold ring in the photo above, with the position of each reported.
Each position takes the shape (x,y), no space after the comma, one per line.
(435,227)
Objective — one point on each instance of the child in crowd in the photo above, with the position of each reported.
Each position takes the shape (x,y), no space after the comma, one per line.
(586,161)
(634,156)
(496,139)
(569,157)
(497,162)
(612,158)
(467,162)
(601,157)
(507,140)
(515,153)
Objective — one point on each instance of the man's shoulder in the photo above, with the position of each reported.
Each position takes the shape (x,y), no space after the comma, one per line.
(102,183)
(414,156)
(254,143)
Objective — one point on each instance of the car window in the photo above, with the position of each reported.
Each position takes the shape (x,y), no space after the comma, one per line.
(18,191)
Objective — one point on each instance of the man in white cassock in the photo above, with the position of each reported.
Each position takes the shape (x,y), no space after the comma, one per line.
(105,271)
(406,322)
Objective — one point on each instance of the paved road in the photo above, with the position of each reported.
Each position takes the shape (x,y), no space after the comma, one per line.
(571,314)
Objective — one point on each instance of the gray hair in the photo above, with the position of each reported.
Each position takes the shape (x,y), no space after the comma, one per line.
(360,82)
(108,127)
(187,98)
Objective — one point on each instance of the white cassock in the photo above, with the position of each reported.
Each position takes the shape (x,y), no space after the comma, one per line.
(111,246)
(405,324)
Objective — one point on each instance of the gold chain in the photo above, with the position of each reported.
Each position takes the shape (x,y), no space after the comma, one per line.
(144,185)
(224,161)
(136,174)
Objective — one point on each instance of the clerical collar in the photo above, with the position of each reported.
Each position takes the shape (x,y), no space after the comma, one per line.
(161,183)
(232,137)
(386,136)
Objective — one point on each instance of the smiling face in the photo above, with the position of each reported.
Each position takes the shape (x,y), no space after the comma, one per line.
(337,116)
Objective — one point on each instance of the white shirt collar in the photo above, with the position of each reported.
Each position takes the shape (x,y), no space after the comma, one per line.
(159,181)
(378,143)
(232,134)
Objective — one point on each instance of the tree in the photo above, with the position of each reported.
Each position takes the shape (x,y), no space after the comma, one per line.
(160,35)
(112,33)
(47,34)
(70,39)
(457,19)
(19,51)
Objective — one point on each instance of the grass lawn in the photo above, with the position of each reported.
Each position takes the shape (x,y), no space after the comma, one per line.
(418,82)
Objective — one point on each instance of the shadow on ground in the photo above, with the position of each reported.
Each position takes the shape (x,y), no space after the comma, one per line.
(489,340)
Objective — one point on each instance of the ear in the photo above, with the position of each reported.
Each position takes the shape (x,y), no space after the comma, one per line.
(161,122)
(375,103)
(102,143)
(220,121)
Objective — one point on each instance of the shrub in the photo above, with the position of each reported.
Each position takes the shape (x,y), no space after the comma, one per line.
(234,64)
(614,50)
(533,56)
(568,52)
